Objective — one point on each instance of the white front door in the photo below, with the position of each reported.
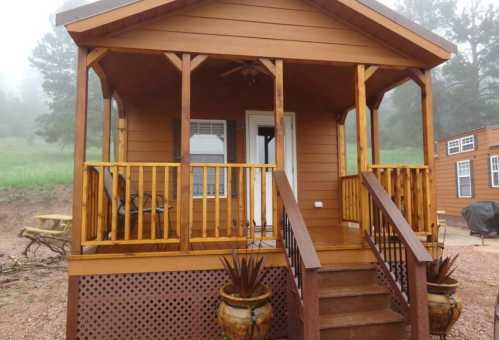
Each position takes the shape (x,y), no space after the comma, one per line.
(260,147)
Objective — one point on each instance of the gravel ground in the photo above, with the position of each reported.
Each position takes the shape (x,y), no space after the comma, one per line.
(478,276)
(33,302)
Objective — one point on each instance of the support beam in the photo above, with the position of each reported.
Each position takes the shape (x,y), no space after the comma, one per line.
(122,139)
(269,65)
(80,141)
(104,81)
(197,61)
(362,147)
(279,113)
(375,130)
(429,147)
(96,55)
(175,60)
(106,129)
(185,128)
(370,71)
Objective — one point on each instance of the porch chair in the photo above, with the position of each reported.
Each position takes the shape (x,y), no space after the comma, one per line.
(134,210)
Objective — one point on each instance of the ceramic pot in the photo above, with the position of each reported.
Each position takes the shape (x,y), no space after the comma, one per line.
(444,306)
(245,319)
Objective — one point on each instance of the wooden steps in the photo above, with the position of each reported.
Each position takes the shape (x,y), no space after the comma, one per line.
(352,304)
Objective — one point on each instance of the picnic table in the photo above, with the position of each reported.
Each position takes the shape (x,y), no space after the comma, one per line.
(52,231)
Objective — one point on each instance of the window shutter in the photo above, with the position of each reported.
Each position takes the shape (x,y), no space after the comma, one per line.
(457,179)
(232,151)
(489,168)
(472,178)
(176,139)
(476,142)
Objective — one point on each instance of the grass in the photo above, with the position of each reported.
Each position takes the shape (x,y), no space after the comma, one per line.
(37,164)
(409,156)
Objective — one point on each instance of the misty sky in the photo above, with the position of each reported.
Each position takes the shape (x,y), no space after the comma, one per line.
(18,37)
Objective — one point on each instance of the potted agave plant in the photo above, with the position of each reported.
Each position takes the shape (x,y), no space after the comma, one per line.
(245,312)
(444,305)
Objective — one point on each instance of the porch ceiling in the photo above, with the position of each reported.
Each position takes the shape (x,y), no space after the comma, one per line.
(142,76)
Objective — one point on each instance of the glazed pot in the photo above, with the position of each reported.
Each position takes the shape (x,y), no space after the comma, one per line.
(245,318)
(444,307)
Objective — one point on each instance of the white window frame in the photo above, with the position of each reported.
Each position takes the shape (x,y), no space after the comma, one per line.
(224,195)
(459,177)
(472,142)
(492,171)
(460,144)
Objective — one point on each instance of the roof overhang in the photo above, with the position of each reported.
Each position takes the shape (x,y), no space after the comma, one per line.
(105,16)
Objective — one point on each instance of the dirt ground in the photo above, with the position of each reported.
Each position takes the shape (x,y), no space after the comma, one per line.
(33,301)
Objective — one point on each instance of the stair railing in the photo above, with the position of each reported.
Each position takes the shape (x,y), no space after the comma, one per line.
(302,257)
(400,253)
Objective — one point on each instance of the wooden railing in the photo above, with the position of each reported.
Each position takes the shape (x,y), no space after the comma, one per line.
(130,203)
(350,209)
(303,260)
(139,203)
(241,209)
(409,188)
(401,255)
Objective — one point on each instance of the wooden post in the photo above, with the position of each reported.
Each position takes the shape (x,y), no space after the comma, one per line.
(420,323)
(310,290)
(79,147)
(429,147)
(362,148)
(106,130)
(185,167)
(122,139)
(279,114)
(375,136)
(342,158)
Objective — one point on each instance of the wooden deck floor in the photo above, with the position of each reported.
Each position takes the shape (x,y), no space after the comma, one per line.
(336,237)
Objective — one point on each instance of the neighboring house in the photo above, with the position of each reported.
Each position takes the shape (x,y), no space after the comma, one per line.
(231,136)
(467,169)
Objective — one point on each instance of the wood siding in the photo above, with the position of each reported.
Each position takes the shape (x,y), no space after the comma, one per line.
(445,165)
(290,29)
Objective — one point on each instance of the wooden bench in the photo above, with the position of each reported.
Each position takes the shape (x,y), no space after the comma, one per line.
(53,231)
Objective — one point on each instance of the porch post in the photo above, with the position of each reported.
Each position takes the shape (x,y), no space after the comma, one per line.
(106,129)
(342,159)
(375,136)
(279,113)
(362,148)
(429,148)
(80,141)
(185,168)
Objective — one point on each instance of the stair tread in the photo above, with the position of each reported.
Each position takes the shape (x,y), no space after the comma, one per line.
(385,316)
(348,267)
(348,291)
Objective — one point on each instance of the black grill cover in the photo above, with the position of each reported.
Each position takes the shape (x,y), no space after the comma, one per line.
(482,217)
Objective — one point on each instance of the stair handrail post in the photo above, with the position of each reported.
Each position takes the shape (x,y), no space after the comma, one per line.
(418,309)
(311,320)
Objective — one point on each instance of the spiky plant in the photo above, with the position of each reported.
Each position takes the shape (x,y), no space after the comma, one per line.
(440,270)
(246,273)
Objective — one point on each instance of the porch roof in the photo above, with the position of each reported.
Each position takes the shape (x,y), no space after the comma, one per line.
(104,16)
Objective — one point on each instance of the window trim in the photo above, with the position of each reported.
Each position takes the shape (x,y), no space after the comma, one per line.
(492,171)
(458,177)
(460,144)
(224,122)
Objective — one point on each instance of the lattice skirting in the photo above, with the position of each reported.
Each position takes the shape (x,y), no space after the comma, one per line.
(396,303)
(169,305)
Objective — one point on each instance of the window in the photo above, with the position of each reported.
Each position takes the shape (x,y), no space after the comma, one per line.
(208,145)
(494,171)
(464,181)
(464,144)
(453,147)
(467,143)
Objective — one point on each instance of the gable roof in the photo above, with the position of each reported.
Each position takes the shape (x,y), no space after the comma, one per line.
(105,6)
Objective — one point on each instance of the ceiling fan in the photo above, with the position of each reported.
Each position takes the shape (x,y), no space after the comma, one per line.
(249,69)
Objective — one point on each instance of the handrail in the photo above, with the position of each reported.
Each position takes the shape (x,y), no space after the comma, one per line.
(402,228)
(303,240)
(401,255)
(302,258)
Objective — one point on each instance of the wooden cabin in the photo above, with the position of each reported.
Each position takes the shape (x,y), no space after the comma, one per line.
(467,170)
(231,136)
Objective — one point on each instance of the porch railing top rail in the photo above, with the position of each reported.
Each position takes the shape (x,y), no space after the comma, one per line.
(398,166)
(304,242)
(395,217)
